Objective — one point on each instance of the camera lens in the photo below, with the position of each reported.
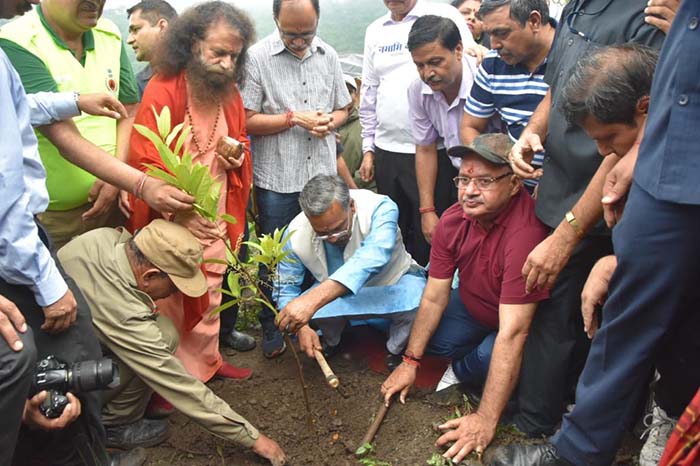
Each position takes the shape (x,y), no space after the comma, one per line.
(93,375)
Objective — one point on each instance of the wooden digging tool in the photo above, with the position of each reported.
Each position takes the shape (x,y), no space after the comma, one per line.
(378,418)
(331,378)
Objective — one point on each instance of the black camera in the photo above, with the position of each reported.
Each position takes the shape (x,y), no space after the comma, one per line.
(57,378)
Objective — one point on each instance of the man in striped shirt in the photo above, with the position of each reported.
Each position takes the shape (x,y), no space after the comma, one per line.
(510,81)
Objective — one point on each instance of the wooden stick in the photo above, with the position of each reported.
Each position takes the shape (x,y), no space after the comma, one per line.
(369,436)
(331,378)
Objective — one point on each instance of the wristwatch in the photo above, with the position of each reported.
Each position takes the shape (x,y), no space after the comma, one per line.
(571,220)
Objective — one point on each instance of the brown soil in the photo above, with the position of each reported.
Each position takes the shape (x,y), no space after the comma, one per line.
(272,401)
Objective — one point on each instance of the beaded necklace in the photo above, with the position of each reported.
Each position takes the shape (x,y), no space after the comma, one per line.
(210,141)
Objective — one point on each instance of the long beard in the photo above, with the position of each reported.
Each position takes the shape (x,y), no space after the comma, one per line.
(209,84)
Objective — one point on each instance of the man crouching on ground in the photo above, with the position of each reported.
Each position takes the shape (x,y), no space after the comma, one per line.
(121,276)
(482,325)
(350,242)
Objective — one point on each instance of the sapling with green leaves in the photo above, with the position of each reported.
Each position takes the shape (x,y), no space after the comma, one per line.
(196,179)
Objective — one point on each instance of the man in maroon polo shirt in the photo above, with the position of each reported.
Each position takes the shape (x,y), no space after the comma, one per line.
(483,324)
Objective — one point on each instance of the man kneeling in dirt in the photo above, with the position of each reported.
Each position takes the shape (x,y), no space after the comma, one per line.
(482,325)
(349,241)
(121,276)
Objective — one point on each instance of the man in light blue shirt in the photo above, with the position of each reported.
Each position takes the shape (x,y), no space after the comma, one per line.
(57,320)
(350,242)
(30,280)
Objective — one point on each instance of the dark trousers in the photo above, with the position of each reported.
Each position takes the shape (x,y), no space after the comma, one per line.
(653,291)
(83,441)
(395,174)
(16,369)
(275,210)
(556,346)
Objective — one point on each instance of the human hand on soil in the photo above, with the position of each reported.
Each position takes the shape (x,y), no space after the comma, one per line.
(401,380)
(296,314)
(308,340)
(595,291)
(544,263)
(269,449)
(472,432)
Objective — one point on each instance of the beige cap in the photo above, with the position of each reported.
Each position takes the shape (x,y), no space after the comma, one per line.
(175,251)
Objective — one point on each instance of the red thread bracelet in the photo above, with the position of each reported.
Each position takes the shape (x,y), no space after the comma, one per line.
(289,117)
(411,361)
(426,210)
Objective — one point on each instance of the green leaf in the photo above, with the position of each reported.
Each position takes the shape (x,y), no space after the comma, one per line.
(146,132)
(234,284)
(181,140)
(163,121)
(265,303)
(161,174)
(173,134)
(228,218)
(223,307)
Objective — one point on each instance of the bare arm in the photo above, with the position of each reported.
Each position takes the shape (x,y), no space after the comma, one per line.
(544,263)
(260,124)
(66,137)
(432,305)
(475,431)
(299,311)
(344,172)
(531,141)
(471,127)
(124,132)
(426,176)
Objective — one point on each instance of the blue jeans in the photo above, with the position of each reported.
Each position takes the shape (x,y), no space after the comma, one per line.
(464,339)
(275,210)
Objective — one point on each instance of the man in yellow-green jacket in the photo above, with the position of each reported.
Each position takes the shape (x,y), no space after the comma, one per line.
(59,47)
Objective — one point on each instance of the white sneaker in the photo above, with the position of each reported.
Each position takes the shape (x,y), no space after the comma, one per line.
(448,379)
(659,427)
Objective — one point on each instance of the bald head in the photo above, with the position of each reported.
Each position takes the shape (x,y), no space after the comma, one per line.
(296,7)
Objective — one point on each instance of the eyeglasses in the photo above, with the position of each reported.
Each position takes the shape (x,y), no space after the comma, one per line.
(305,36)
(339,234)
(483,183)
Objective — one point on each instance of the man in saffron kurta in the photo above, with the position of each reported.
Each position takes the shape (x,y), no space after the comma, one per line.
(200,90)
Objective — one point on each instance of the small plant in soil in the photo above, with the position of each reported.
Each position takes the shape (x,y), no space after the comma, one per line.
(196,180)
(363,452)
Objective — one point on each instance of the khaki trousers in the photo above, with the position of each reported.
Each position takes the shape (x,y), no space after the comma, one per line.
(64,225)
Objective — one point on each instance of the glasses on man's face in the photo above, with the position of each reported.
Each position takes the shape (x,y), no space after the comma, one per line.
(483,183)
(339,234)
(305,36)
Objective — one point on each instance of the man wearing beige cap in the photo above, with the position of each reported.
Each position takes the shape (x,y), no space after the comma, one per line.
(483,324)
(121,276)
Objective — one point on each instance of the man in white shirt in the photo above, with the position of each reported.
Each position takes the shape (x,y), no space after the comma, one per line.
(387,142)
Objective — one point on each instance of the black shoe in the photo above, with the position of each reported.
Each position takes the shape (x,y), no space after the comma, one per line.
(135,457)
(450,396)
(142,433)
(237,340)
(392,361)
(329,351)
(273,343)
(514,454)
